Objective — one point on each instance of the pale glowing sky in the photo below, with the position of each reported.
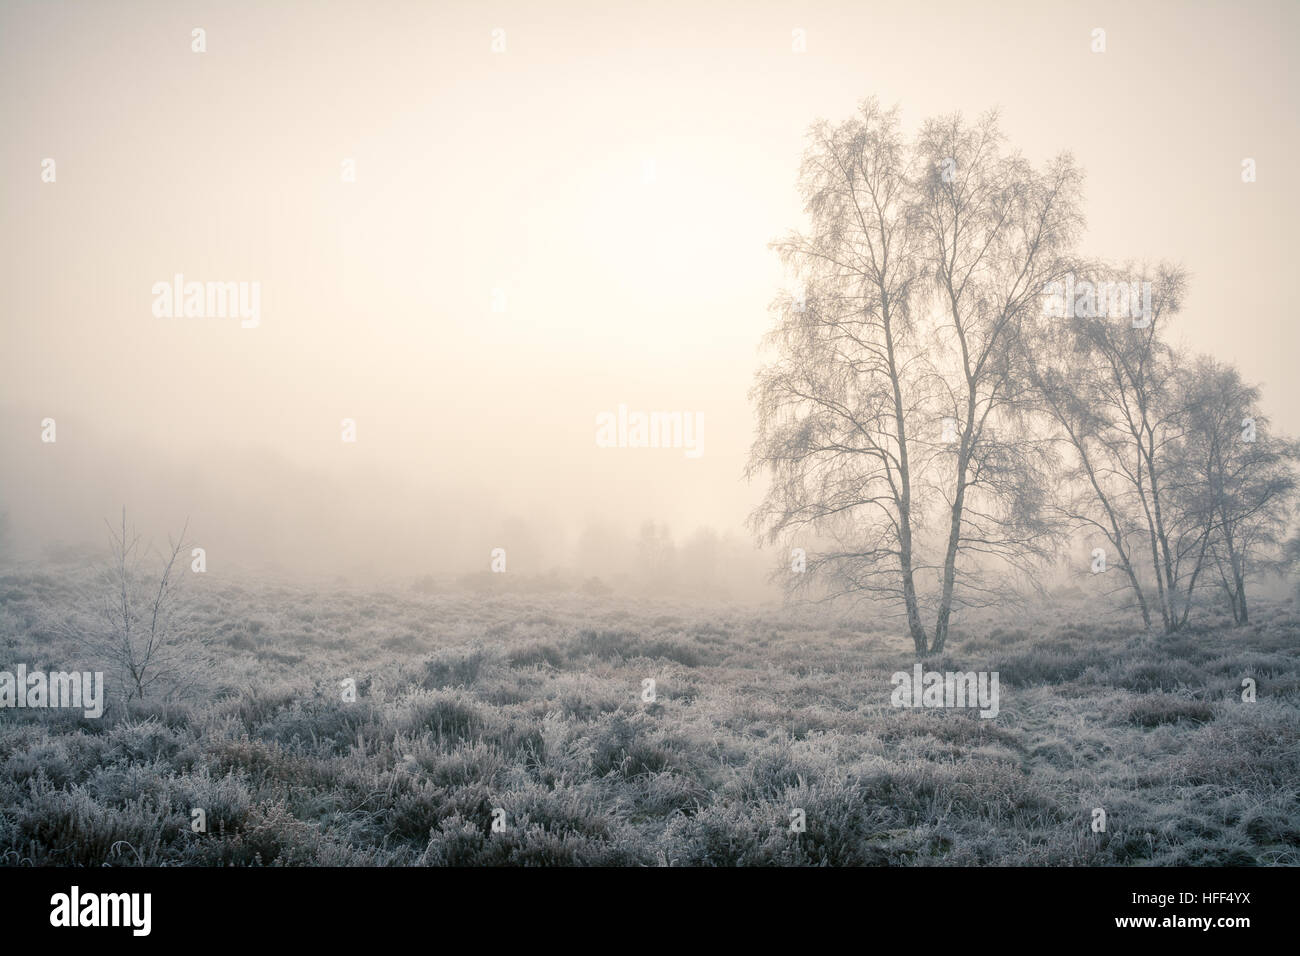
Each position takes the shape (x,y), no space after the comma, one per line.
(525,171)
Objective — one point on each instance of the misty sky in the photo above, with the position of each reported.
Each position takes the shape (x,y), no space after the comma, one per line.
(617,173)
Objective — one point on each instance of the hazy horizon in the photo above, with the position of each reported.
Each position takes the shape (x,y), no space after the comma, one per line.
(626,222)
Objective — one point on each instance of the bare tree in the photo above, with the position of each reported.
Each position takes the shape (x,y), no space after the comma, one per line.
(1157,461)
(993,233)
(1129,376)
(139,626)
(851,411)
(1242,479)
(839,409)
(1091,496)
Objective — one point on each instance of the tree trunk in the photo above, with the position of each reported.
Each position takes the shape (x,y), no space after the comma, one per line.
(950,558)
(904,495)
(1117,536)
(1239,576)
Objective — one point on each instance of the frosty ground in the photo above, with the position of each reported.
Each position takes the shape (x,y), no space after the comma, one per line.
(532,703)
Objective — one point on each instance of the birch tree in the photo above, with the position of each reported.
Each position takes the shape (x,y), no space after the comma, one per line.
(992,233)
(895,422)
(840,407)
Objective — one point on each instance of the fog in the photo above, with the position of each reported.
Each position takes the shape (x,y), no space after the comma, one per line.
(523,250)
